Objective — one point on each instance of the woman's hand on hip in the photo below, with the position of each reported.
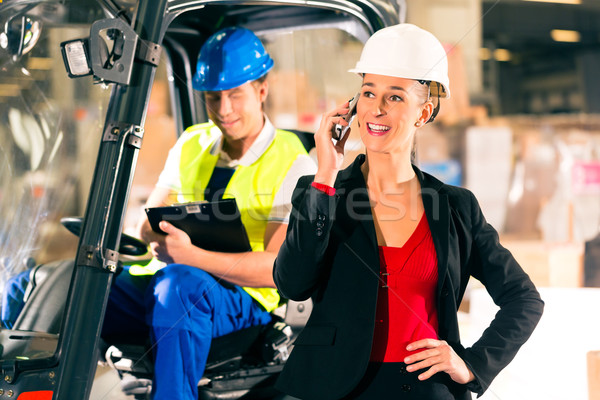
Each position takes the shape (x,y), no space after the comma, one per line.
(330,155)
(438,356)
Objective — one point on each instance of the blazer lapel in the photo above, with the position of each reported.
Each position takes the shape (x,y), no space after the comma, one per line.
(357,203)
(437,210)
(367,218)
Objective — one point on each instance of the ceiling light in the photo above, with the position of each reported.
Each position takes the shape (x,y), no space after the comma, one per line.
(561,35)
(502,55)
(485,54)
(558,1)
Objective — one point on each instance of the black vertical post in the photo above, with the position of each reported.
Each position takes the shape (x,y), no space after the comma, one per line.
(100,235)
(589,65)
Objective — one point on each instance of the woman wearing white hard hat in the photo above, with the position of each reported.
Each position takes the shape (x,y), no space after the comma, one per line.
(385,250)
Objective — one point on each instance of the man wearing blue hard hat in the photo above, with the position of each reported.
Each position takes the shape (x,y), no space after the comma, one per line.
(237,154)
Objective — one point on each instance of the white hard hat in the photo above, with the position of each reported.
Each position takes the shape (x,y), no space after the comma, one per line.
(406,51)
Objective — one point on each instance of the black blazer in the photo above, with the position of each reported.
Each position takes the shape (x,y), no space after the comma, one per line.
(330,254)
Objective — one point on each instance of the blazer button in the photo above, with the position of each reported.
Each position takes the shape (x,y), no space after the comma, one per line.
(319,232)
(445,293)
(321,217)
(405,388)
(320,224)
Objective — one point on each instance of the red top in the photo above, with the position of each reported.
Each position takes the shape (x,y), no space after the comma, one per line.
(406,309)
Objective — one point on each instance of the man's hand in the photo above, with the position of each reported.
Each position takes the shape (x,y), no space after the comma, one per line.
(439,356)
(172,247)
(150,236)
(251,268)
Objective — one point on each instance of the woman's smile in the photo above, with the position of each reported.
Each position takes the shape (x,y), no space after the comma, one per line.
(377,129)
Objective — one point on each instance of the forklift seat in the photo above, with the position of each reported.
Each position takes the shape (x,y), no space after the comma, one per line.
(45,297)
(243,364)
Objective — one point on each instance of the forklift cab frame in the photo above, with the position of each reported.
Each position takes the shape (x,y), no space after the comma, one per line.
(50,365)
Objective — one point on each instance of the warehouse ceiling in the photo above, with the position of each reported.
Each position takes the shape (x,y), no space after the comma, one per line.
(520,25)
(541,56)
(529,56)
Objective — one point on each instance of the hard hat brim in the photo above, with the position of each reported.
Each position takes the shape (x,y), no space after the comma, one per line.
(398,73)
(207,85)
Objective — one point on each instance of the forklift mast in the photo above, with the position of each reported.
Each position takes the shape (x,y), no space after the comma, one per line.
(68,373)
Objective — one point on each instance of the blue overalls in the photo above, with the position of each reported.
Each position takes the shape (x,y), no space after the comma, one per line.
(183,308)
(13,298)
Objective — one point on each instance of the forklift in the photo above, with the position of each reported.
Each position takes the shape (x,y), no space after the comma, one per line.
(54,347)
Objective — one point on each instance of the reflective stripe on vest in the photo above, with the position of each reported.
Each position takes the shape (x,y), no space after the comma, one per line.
(254,186)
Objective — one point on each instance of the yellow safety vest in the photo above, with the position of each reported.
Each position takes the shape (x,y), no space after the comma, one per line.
(253,186)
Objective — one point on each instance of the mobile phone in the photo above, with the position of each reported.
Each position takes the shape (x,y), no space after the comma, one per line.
(339,130)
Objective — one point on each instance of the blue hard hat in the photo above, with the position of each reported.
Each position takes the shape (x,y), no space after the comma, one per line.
(230,58)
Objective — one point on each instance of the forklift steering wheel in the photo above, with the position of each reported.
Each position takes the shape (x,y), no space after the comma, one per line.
(129,246)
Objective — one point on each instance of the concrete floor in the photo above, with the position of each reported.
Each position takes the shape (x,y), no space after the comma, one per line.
(552,365)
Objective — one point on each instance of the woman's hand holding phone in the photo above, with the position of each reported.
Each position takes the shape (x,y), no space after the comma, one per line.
(340,130)
(330,155)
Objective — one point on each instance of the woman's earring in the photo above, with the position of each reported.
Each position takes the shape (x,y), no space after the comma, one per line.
(418,123)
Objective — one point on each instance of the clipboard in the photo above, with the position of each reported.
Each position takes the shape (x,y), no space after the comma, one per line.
(215,225)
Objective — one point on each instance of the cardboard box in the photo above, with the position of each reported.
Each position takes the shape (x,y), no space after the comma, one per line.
(549,264)
(488,168)
(593,368)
